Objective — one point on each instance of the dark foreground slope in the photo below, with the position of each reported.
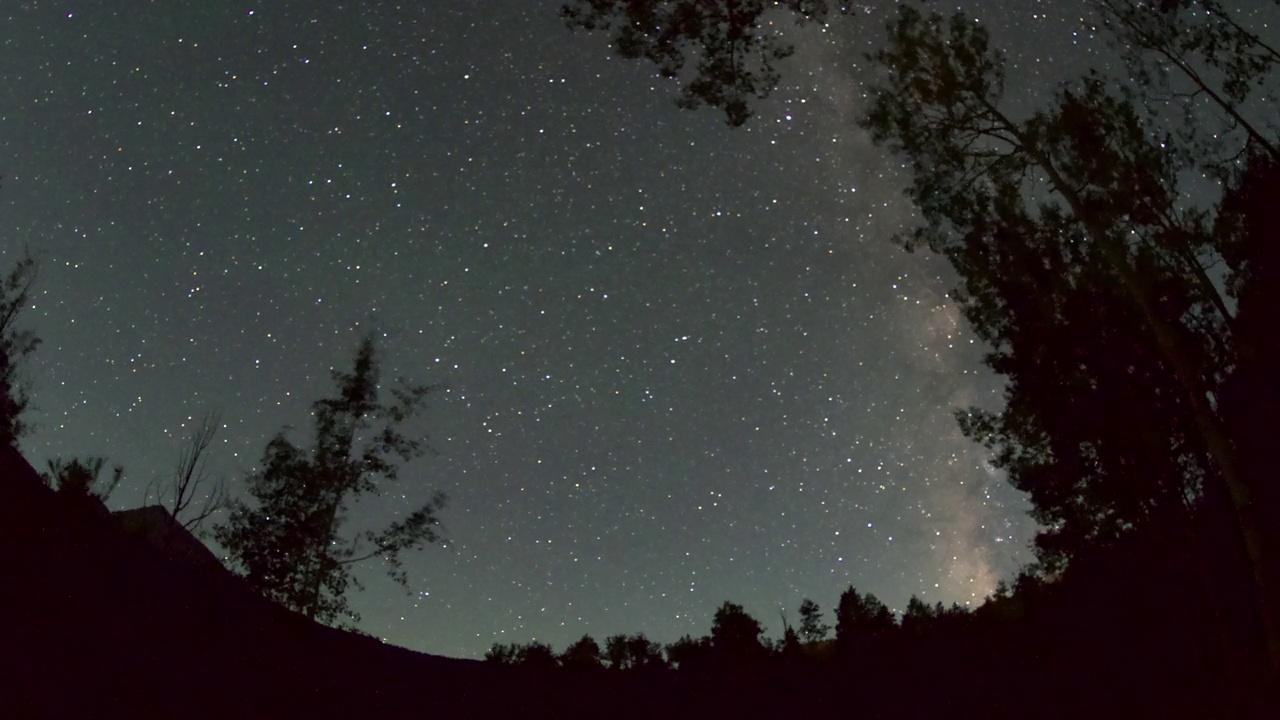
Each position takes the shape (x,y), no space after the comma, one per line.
(98,620)
(95,623)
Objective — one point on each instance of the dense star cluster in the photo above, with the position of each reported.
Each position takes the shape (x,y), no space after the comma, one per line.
(682,364)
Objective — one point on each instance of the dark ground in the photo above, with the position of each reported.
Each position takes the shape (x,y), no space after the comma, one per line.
(100,623)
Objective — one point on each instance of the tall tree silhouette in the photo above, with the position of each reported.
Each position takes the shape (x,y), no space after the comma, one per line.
(736,636)
(861,620)
(1087,276)
(290,544)
(688,653)
(919,617)
(1075,206)
(15,344)
(1250,399)
(583,655)
(1247,224)
(736,50)
(812,628)
(633,652)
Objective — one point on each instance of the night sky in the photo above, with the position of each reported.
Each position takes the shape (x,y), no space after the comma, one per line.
(684,364)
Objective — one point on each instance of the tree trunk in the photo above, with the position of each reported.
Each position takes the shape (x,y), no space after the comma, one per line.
(1209,425)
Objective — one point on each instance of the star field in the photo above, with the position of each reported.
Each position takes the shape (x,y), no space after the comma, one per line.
(682,364)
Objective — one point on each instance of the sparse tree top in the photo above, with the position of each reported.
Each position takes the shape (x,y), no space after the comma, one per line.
(291,545)
(15,345)
(734,51)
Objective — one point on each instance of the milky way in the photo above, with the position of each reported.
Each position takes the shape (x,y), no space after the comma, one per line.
(683,364)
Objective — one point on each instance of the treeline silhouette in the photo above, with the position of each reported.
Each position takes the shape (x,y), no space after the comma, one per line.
(1129,633)
(94,605)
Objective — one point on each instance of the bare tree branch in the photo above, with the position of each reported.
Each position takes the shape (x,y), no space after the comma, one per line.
(190,480)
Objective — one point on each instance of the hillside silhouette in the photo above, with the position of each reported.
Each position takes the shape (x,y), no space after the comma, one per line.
(99,622)
(122,616)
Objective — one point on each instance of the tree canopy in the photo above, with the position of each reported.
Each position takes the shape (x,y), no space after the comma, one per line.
(1090,278)
(290,543)
(82,478)
(15,345)
(812,628)
(733,45)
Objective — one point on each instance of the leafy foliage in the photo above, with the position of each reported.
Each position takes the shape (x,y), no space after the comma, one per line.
(861,619)
(584,654)
(537,655)
(736,636)
(77,478)
(503,654)
(735,47)
(15,344)
(633,652)
(921,619)
(290,546)
(812,628)
(1194,60)
(1091,278)
(1081,271)
(687,652)
(789,644)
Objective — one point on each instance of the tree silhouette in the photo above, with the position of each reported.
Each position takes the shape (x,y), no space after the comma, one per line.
(736,636)
(537,655)
(633,652)
(290,545)
(812,628)
(533,654)
(1246,226)
(861,619)
(584,654)
(503,654)
(1250,397)
(15,345)
(1089,183)
(1090,279)
(1198,56)
(736,50)
(918,618)
(789,644)
(189,480)
(688,653)
(77,478)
